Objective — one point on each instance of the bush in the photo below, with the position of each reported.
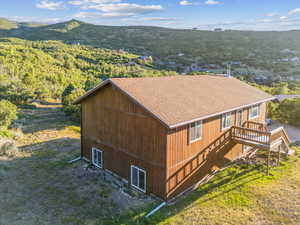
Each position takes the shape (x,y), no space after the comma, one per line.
(72,110)
(8,147)
(8,113)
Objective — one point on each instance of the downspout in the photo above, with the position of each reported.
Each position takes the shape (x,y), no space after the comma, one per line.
(156,209)
(81,144)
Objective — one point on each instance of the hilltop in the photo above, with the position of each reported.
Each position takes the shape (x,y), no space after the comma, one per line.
(253,52)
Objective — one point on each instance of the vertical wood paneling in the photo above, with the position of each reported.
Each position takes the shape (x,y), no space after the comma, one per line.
(127,135)
(180,161)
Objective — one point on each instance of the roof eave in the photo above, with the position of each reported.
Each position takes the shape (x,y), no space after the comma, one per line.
(220,113)
(88,93)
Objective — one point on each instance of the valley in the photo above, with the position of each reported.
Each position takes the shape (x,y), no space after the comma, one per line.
(262,56)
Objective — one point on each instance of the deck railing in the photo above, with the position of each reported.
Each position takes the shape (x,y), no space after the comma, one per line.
(279,133)
(255,125)
(251,135)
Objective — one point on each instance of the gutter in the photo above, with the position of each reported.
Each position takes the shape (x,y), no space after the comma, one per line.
(156,209)
(75,160)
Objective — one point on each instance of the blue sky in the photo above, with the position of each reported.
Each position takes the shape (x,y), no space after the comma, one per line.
(203,14)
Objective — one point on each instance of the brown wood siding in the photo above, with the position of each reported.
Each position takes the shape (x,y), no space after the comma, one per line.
(127,135)
(184,169)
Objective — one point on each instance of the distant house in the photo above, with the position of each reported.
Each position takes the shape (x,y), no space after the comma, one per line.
(236,63)
(295,59)
(145,58)
(165,135)
(218,30)
(280,98)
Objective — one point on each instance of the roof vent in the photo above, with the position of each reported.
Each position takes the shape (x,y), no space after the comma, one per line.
(228,70)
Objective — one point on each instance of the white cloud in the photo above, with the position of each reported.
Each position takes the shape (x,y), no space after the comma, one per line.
(45,4)
(97,15)
(283,17)
(185,2)
(272,14)
(212,2)
(112,8)
(126,8)
(260,24)
(86,3)
(32,19)
(294,11)
(159,19)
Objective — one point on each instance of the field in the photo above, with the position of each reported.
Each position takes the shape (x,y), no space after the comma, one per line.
(39,186)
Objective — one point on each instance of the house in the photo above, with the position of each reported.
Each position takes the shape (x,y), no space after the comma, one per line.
(163,135)
(281,98)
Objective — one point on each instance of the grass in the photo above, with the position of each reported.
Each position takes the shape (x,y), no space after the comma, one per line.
(38,186)
(241,194)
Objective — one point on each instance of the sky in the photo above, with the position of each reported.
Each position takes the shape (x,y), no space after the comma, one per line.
(200,14)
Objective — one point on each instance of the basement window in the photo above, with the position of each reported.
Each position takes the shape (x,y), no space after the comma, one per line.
(97,157)
(195,131)
(226,120)
(254,112)
(138,178)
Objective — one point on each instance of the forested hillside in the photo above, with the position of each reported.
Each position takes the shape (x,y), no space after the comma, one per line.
(44,69)
(31,70)
(273,51)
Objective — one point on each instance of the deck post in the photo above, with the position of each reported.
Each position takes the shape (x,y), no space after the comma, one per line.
(268,162)
(278,160)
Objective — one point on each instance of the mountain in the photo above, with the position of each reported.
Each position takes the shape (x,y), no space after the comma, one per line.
(257,51)
(6,24)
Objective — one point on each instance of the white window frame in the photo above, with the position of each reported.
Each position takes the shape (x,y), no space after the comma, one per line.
(138,178)
(198,125)
(237,116)
(93,160)
(258,112)
(224,116)
(246,148)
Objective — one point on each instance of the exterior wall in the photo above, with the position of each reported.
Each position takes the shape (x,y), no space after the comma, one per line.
(127,135)
(188,163)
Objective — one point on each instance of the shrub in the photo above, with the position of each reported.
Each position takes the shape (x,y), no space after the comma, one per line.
(72,110)
(8,147)
(8,113)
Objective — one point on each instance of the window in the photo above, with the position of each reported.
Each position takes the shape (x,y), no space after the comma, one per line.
(254,112)
(195,131)
(226,120)
(239,118)
(97,157)
(138,178)
(246,148)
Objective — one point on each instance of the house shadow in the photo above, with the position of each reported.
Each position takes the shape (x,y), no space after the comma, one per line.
(59,145)
(214,160)
(35,119)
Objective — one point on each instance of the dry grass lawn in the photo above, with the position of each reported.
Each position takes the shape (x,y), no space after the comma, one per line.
(38,186)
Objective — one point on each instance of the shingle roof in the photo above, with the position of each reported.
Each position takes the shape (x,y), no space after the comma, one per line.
(178,100)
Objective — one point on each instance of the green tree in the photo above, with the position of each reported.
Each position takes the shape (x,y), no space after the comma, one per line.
(8,113)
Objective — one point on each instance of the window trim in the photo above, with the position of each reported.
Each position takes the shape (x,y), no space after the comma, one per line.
(237,116)
(246,148)
(138,178)
(93,159)
(258,112)
(201,131)
(225,114)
